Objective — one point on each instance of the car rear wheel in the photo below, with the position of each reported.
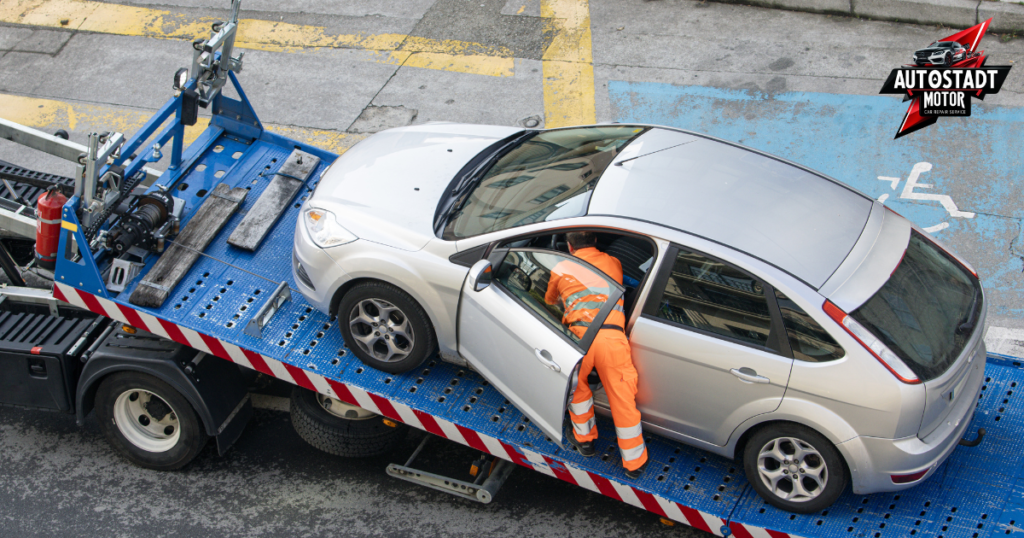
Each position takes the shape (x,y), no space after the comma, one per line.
(794,468)
(385,327)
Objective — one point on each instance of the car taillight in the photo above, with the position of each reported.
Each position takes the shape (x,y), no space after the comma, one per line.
(875,346)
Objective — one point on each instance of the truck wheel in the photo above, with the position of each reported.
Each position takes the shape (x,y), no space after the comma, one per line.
(342,429)
(385,327)
(148,422)
(794,468)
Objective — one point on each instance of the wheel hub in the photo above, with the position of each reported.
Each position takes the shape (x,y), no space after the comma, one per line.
(792,469)
(341,409)
(381,330)
(146,420)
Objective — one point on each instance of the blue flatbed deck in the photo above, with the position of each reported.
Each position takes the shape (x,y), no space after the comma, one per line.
(976,493)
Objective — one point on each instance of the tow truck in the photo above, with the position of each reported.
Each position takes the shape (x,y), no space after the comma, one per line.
(213,306)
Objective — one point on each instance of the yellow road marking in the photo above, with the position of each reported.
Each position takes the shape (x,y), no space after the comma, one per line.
(568,64)
(92,16)
(50,114)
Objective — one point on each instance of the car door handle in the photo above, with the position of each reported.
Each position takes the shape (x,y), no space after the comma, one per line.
(545,358)
(748,375)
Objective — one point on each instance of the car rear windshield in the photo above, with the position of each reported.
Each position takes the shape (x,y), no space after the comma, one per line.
(927,310)
(547,177)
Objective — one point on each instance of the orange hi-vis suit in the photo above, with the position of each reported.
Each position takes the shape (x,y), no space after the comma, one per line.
(609,353)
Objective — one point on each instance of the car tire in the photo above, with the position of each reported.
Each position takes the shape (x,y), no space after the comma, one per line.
(147,422)
(947,60)
(320,421)
(804,452)
(372,305)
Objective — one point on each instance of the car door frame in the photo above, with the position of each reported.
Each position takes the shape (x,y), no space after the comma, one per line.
(495,257)
(486,250)
(777,342)
(778,336)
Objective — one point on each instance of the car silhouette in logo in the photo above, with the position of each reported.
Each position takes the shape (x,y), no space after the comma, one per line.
(944,53)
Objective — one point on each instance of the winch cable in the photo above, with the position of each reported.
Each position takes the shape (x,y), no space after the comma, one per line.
(229,264)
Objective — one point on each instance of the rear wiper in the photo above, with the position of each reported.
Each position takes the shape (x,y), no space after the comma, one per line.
(972,315)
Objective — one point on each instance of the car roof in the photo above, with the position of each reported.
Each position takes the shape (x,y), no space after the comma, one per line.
(793,218)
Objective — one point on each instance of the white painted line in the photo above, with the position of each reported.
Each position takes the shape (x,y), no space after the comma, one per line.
(450,431)
(363,399)
(627,494)
(494,446)
(194,340)
(672,510)
(1005,341)
(153,325)
(278,369)
(407,415)
(237,355)
(583,479)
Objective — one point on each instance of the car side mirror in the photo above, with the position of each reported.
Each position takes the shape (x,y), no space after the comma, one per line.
(480,275)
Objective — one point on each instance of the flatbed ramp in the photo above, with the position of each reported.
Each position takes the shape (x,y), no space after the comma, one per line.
(979,492)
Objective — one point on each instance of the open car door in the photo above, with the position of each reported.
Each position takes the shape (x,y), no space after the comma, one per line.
(517,340)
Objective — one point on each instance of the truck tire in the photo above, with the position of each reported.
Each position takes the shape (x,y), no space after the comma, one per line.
(320,421)
(147,422)
(385,327)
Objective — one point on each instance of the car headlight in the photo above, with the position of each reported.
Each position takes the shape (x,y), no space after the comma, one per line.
(325,230)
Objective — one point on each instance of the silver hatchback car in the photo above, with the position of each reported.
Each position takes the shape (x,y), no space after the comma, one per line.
(775,315)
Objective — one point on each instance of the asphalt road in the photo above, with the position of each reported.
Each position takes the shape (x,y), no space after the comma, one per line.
(62,480)
(800,85)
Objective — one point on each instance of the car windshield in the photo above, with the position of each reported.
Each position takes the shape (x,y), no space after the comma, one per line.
(927,310)
(547,177)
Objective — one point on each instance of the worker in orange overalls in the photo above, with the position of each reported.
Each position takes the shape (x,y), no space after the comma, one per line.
(609,352)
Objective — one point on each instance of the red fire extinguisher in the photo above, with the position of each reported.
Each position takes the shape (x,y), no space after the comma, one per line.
(48,210)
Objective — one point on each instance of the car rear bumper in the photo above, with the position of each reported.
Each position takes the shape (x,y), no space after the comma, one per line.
(873,461)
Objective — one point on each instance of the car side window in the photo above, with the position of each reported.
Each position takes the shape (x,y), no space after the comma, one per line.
(557,288)
(809,341)
(715,297)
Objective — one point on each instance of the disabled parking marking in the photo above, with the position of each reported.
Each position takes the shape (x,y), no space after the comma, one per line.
(908,193)
(976,163)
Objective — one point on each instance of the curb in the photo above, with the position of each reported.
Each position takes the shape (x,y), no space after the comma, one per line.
(1006,17)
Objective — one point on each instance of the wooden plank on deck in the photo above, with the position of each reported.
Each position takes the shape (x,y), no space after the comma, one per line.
(274,201)
(176,261)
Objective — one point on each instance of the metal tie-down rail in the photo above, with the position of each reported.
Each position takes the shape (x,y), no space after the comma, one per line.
(487,483)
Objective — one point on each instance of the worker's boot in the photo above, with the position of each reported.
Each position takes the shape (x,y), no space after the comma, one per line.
(586,448)
(633,475)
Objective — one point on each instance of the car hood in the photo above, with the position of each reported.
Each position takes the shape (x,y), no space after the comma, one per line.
(386,188)
(932,50)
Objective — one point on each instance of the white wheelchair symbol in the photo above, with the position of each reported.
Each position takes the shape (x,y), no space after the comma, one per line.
(909,194)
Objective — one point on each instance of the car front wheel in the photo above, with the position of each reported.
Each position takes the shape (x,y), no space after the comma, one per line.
(385,327)
(794,468)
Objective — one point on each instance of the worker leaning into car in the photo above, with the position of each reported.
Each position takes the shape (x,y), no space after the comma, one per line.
(609,353)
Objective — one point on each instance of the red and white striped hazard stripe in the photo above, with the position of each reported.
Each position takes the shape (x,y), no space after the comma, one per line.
(403,413)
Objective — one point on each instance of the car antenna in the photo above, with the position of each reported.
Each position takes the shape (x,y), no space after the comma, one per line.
(620,163)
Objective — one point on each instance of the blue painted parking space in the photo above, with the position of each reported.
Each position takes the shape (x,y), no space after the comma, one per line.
(961,179)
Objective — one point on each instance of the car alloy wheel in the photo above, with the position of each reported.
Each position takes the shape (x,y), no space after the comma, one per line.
(382,330)
(794,468)
(385,327)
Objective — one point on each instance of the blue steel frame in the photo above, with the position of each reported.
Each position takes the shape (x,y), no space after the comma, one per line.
(76,266)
